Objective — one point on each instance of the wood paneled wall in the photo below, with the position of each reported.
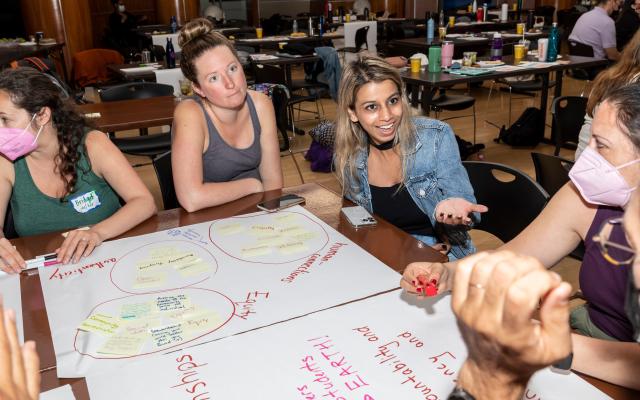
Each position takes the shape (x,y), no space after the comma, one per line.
(184,10)
(101,9)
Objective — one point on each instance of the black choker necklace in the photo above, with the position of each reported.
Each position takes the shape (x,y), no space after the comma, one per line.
(382,146)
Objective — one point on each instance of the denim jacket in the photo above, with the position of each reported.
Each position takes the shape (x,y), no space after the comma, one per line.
(434,173)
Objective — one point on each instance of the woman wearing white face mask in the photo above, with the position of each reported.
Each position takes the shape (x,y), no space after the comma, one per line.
(57,174)
(602,181)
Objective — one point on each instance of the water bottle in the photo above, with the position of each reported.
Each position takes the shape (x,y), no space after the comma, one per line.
(530,19)
(485,8)
(171,54)
(311,33)
(430,27)
(174,24)
(474,8)
(321,25)
(295,26)
(366,13)
(441,18)
(329,13)
(496,47)
(552,52)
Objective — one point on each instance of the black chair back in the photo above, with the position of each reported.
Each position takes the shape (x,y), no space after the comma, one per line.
(164,172)
(280,100)
(513,204)
(361,38)
(135,90)
(9,228)
(552,172)
(580,49)
(568,115)
(148,145)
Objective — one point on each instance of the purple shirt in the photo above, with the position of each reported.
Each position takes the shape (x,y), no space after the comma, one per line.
(604,284)
(597,29)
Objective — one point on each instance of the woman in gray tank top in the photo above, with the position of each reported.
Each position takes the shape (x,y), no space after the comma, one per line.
(225,143)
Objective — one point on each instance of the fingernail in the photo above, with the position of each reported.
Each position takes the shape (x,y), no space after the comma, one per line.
(434,282)
(449,215)
(556,277)
(418,289)
(413,283)
(442,214)
(443,246)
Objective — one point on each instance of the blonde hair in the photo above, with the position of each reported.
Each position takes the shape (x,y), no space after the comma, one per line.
(196,37)
(351,139)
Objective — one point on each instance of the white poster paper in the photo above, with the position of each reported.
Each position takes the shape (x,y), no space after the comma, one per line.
(163,291)
(59,393)
(385,347)
(12,299)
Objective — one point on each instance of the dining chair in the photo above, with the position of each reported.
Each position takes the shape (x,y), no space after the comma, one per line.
(513,198)
(164,173)
(568,115)
(90,67)
(133,91)
(146,145)
(9,228)
(583,74)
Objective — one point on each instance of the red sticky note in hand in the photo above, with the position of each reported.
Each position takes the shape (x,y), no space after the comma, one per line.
(430,290)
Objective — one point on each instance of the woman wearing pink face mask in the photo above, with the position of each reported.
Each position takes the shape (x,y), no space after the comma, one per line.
(57,174)
(602,181)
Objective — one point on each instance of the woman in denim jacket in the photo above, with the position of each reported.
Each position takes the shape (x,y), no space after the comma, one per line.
(405,169)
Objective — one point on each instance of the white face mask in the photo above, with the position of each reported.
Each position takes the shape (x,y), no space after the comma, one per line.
(121,7)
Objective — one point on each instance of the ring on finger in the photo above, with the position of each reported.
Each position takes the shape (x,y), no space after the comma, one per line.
(476,285)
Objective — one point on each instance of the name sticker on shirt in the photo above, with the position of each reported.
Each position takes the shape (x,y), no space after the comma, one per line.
(86,202)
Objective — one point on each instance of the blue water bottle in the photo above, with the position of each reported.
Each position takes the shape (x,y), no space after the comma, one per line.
(430,27)
(552,52)
(321,25)
(171,54)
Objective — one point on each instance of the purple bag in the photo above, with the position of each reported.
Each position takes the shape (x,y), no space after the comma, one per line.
(321,157)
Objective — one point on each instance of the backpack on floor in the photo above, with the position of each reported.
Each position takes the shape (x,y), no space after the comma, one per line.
(528,130)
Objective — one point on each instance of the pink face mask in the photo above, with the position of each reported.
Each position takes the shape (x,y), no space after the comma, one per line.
(16,142)
(598,181)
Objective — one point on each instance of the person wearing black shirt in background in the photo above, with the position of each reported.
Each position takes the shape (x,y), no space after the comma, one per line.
(122,24)
(627,23)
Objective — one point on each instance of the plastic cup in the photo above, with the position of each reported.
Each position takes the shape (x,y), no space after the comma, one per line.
(185,87)
(543,47)
(145,57)
(347,18)
(259,33)
(518,52)
(416,63)
(447,54)
(452,21)
(520,29)
(442,32)
(467,58)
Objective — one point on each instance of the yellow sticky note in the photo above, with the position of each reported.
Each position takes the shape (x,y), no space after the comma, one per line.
(255,251)
(193,267)
(162,252)
(271,240)
(303,237)
(229,229)
(180,313)
(150,280)
(139,327)
(100,323)
(202,321)
(262,230)
(292,230)
(122,345)
(290,248)
(150,266)
(286,218)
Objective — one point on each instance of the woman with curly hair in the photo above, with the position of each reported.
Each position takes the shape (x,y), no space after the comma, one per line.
(58,174)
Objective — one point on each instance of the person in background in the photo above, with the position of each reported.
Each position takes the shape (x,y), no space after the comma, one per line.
(596,29)
(58,174)
(588,207)
(225,143)
(214,11)
(405,169)
(625,71)
(360,5)
(627,23)
(122,24)
(20,378)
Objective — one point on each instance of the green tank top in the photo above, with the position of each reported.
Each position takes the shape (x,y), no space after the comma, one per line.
(34,212)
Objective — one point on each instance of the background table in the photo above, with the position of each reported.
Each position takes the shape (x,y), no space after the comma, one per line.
(131,114)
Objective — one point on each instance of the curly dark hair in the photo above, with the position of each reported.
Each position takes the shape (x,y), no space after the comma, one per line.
(32,90)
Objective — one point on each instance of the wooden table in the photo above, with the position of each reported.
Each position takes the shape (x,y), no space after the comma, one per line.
(131,114)
(384,241)
(14,53)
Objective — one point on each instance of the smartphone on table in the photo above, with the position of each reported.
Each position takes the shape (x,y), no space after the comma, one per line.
(280,203)
(358,216)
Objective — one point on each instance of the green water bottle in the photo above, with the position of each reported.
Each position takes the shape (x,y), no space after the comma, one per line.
(552,53)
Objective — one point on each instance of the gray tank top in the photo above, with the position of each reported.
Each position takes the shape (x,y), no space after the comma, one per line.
(222,162)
